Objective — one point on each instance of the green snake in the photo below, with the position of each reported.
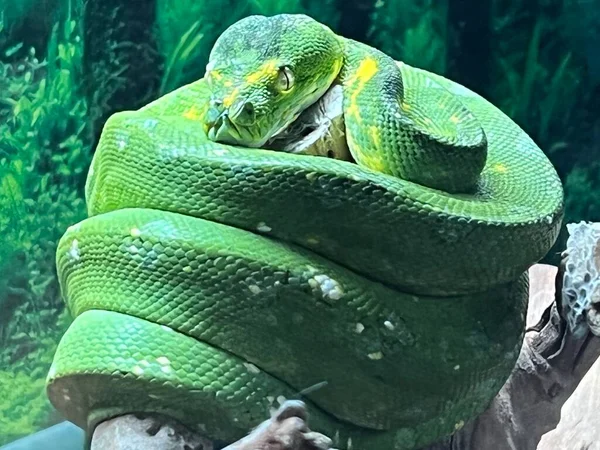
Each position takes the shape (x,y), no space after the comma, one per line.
(215,278)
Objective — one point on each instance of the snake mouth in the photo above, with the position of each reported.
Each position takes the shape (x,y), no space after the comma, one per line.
(225,130)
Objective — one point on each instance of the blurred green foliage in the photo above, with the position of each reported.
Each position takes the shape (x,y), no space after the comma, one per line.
(539,77)
(413,31)
(43,159)
(24,407)
(540,86)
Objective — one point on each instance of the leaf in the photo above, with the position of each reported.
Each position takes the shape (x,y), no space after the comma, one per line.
(12,50)
(11,190)
(554,95)
(530,72)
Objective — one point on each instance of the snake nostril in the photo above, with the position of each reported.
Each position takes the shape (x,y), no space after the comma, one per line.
(248,109)
(213,116)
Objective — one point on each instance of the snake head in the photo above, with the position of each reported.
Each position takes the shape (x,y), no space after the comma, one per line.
(263,72)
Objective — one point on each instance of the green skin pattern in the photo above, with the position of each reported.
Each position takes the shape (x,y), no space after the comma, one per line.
(214,277)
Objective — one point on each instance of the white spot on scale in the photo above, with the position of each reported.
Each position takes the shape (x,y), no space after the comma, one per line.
(263,227)
(281,399)
(270,398)
(133,250)
(251,368)
(66,398)
(163,360)
(359,328)
(121,144)
(254,289)
(457,367)
(312,240)
(349,444)
(220,151)
(135,232)
(166,369)
(138,370)
(166,328)
(74,250)
(329,287)
(375,356)
(389,325)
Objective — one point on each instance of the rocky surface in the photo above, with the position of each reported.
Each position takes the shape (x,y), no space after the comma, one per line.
(287,429)
(131,432)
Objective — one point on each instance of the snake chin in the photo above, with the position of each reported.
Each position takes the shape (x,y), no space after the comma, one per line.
(226,131)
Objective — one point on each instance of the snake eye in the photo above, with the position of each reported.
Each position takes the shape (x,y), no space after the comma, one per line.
(285,79)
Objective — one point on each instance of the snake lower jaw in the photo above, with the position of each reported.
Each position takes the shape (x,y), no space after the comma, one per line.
(225,131)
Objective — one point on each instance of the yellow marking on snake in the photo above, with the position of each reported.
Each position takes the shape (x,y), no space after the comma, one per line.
(366,70)
(405,106)
(192,113)
(375,135)
(216,74)
(268,69)
(499,168)
(454,118)
(353,111)
(228,83)
(228,101)
(371,160)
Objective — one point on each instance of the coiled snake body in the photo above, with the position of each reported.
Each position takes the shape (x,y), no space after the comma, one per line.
(215,278)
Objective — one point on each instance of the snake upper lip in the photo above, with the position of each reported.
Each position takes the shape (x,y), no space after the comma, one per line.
(225,130)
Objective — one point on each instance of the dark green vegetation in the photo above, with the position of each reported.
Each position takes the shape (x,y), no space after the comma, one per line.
(65,67)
